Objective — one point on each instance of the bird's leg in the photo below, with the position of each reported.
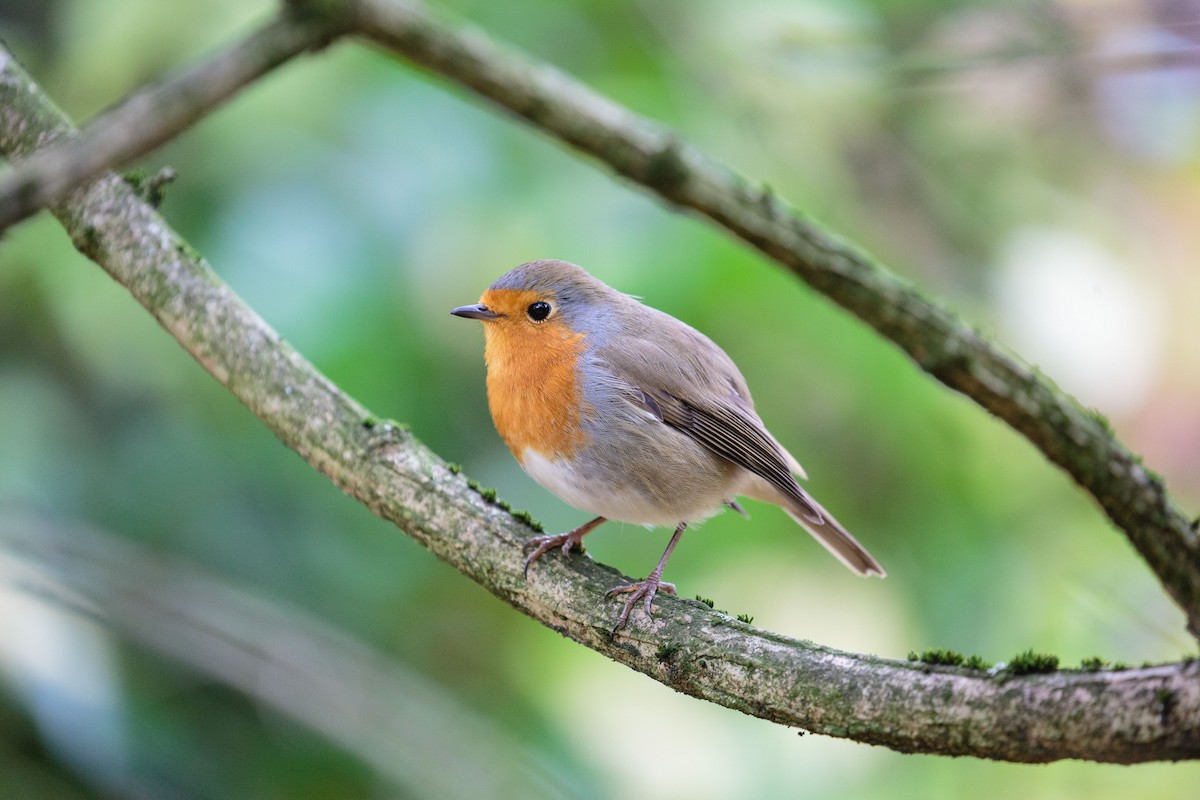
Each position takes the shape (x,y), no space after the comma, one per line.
(571,539)
(645,590)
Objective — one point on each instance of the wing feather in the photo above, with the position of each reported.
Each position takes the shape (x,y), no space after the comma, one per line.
(737,437)
(685,380)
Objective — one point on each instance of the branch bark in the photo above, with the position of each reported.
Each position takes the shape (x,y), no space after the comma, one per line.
(1076,439)
(1117,716)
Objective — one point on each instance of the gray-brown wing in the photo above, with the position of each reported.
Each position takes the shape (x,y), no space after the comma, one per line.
(688,382)
(658,352)
(734,435)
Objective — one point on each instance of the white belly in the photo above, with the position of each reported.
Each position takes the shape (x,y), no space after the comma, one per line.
(606,499)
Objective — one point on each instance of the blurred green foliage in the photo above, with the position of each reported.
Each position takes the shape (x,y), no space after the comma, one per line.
(353,201)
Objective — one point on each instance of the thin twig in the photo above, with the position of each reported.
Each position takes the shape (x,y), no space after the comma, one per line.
(157,113)
(1116,716)
(406,728)
(1076,439)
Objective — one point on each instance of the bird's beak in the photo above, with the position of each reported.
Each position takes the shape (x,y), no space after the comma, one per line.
(477,311)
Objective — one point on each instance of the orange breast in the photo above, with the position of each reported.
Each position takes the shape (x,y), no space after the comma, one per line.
(533,386)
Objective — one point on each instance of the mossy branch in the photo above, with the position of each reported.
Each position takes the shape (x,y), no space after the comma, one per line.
(1073,437)
(1116,716)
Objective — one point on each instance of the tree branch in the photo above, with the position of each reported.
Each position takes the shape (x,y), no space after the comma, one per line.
(155,114)
(1117,716)
(1076,439)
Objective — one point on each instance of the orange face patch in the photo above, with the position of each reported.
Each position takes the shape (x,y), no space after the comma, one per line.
(533,383)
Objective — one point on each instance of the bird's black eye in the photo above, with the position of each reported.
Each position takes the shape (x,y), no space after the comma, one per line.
(538,311)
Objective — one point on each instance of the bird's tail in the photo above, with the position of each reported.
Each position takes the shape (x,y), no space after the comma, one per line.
(837,540)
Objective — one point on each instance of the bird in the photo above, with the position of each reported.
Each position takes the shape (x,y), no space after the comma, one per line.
(629,414)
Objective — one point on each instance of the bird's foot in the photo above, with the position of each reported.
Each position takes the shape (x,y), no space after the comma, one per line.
(642,590)
(540,545)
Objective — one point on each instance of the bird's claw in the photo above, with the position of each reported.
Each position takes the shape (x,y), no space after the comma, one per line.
(540,545)
(641,590)
(571,539)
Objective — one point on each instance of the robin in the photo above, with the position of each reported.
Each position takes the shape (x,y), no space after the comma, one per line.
(627,413)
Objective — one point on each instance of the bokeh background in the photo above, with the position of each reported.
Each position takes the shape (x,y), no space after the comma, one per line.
(1035,164)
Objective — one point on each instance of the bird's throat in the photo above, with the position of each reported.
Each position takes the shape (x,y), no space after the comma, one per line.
(534,390)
